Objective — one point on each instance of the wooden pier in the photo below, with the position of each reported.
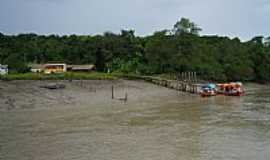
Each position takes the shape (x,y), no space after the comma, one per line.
(185,82)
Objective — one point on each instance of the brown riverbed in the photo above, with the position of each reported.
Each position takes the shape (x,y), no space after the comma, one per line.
(82,122)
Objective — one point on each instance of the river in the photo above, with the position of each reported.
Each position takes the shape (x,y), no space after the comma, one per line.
(173,127)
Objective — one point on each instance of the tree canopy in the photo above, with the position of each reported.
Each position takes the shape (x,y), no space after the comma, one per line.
(186,26)
(168,51)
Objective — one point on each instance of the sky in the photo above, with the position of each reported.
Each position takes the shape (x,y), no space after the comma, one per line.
(234,18)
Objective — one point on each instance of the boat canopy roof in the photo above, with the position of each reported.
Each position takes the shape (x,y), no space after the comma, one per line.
(209,85)
(232,84)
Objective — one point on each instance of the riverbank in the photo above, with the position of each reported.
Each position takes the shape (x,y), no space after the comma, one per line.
(62,76)
(29,94)
(95,76)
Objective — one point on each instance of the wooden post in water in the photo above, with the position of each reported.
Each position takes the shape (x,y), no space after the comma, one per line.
(189,77)
(183,86)
(195,77)
(193,80)
(182,76)
(112,92)
(177,80)
(189,82)
(126,97)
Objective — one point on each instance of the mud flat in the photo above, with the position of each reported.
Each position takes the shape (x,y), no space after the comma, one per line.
(83,122)
(32,95)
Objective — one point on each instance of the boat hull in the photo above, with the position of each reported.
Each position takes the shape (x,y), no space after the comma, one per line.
(236,94)
(207,94)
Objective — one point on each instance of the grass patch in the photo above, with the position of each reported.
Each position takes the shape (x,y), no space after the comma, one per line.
(74,76)
(69,76)
(61,76)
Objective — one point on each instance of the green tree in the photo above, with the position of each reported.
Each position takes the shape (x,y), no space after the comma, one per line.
(16,64)
(186,26)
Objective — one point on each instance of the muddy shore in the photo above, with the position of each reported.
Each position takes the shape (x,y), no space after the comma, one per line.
(27,94)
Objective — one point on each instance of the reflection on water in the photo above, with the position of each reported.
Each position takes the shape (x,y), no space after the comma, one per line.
(186,128)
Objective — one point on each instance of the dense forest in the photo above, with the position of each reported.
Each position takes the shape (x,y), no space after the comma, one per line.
(179,49)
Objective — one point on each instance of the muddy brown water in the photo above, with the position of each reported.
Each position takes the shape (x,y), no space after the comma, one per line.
(158,127)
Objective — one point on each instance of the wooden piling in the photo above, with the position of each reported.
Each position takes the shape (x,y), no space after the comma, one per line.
(112,92)
(126,97)
(195,77)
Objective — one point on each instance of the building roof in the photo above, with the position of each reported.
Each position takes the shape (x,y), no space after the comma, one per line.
(55,64)
(82,67)
(72,67)
(36,66)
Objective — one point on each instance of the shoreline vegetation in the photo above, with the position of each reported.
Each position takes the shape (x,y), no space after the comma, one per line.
(78,76)
(66,76)
(82,76)
(176,50)
(93,76)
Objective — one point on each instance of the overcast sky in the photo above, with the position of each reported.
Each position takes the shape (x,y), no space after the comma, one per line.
(241,18)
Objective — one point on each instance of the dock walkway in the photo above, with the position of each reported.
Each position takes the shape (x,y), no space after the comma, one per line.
(191,86)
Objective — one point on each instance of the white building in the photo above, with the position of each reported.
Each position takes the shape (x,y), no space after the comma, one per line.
(36,68)
(3,69)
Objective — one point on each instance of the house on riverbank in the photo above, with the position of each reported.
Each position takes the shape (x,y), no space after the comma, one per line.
(3,69)
(55,68)
(60,68)
(36,68)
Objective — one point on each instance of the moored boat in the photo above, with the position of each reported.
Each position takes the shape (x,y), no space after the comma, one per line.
(230,89)
(208,90)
